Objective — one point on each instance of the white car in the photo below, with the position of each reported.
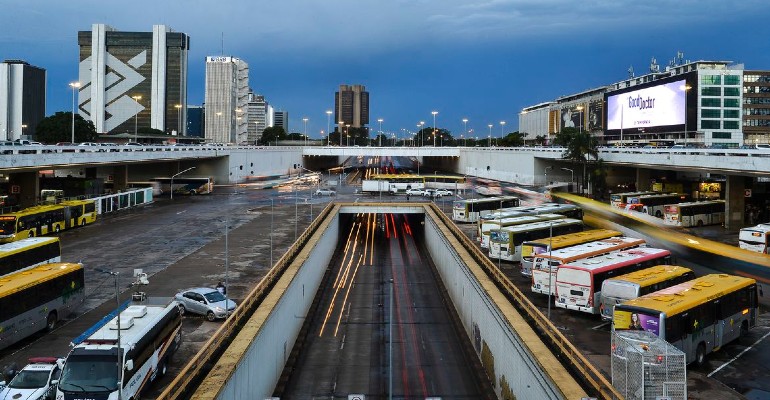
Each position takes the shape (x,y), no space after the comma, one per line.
(414,192)
(443,192)
(35,381)
(325,192)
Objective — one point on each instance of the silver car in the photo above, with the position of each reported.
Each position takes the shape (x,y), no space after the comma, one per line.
(204,301)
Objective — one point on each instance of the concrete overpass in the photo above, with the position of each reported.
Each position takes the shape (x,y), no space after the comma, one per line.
(521,351)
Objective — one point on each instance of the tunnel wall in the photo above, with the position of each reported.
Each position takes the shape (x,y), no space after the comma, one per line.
(256,376)
(512,367)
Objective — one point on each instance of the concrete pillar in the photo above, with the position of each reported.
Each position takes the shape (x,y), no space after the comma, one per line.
(119,178)
(735,202)
(643,179)
(29,187)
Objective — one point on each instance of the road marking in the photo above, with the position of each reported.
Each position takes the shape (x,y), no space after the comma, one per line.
(181,212)
(741,353)
(597,327)
(342,345)
(693,241)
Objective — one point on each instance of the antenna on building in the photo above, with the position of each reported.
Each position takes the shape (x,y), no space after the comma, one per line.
(654,65)
(680,57)
(631,71)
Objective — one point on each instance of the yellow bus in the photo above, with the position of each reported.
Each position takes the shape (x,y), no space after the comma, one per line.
(43,220)
(639,283)
(559,242)
(27,253)
(697,316)
(38,298)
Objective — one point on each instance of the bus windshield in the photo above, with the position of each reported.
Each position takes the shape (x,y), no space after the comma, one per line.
(619,290)
(90,373)
(7,225)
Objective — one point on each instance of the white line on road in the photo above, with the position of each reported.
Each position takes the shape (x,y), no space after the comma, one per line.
(736,357)
(342,345)
(181,212)
(597,327)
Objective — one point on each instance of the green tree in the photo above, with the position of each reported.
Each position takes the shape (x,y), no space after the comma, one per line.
(58,128)
(540,140)
(580,147)
(295,136)
(271,135)
(513,139)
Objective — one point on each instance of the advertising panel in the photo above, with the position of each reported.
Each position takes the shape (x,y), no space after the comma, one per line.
(595,116)
(660,105)
(627,320)
(570,118)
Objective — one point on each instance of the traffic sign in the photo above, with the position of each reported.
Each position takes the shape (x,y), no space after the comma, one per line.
(747,193)
(15,189)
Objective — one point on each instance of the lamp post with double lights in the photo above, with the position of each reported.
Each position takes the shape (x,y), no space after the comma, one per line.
(328,125)
(74,86)
(347,134)
(172,181)
(422,126)
(502,126)
(489,138)
(304,130)
(178,119)
(136,118)
(465,127)
(379,133)
(434,127)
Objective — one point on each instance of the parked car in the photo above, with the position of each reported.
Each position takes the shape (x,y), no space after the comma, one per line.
(443,192)
(93,146)
(35,381)
(325,192)
(414,192)
(204,301)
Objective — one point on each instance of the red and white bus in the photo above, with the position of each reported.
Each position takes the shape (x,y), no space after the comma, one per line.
(579,283)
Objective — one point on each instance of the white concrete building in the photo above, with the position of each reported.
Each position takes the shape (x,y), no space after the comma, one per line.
(227,88)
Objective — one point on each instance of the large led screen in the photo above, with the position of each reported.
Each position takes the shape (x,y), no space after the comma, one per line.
(645,108)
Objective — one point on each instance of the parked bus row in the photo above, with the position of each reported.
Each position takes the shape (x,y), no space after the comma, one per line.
(492,218)
(44,220)
(674,208)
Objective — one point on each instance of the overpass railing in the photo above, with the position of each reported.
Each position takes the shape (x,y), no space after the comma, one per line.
(205,359)
(596,382)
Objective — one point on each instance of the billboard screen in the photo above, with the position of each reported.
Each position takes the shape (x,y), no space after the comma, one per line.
(660,105)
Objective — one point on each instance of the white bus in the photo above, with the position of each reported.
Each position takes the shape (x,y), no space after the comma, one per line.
(579,284)
(655,204)
(619,200)
(27,253)
(391,183)
(506,243)
(697,213)
(567,210)
(149,335)
(545,265)
(37,298)
(639,283)
(489,224)
(755,238)
(468,210)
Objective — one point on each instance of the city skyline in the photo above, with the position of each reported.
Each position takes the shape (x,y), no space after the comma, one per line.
(483,61)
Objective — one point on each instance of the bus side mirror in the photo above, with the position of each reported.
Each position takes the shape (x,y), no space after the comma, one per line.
(129,365)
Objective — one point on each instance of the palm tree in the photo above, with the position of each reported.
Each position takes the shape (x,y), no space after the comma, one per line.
(580,148)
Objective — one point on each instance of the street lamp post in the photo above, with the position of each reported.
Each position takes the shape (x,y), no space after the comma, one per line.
(74,86)
(328,126)
(465,127)
(304,129)
(172,181)
(379,134)
(686,89)
(502,125)
(136,118)
(580,115)
(341,124)
(116,274)
(347,134)
(422,126)
(178,119)
(550,271)
(434,127)
(489,138)
(572,175)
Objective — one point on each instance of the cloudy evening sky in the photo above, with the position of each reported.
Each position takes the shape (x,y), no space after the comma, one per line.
(481,60)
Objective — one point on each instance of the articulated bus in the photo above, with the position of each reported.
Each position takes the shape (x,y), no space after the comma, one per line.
(488,225)
(153,333)
(505,243)
(546,265)
(655,204)
(37,298)
(543,246)
(755,238)
(43,220)
(697,213)
(697,316)
(619,200)
(468,210)
(639,283)
(579,283)
(27,253)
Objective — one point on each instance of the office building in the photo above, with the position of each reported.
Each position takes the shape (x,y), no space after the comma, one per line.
(711,103)
(281,118)
(351,105)
(195,117)
(227,89)
(22,99)
(256,114)
(131,80)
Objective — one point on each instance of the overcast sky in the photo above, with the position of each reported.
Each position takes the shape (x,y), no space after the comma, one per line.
(481,60)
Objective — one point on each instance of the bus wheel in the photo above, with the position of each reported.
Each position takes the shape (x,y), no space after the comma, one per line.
(658,214)
(193,192)
(700,355)
(210,316)
(31,233)
(82,222)
(700,223)
(745,329)
(181,310)
(50,322)
(57,229)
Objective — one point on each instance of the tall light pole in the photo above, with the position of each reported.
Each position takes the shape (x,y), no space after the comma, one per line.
(347,133)
(116,274)
(304,131)
(686,89)
(422,126)
(172,180)
(465,127)
(74,86)
(502,125)
(580,115)
(571,176)
(489,138)
(341,124)
(434,127)
(136,118)
(328,127)
(178,119)
(379,133)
